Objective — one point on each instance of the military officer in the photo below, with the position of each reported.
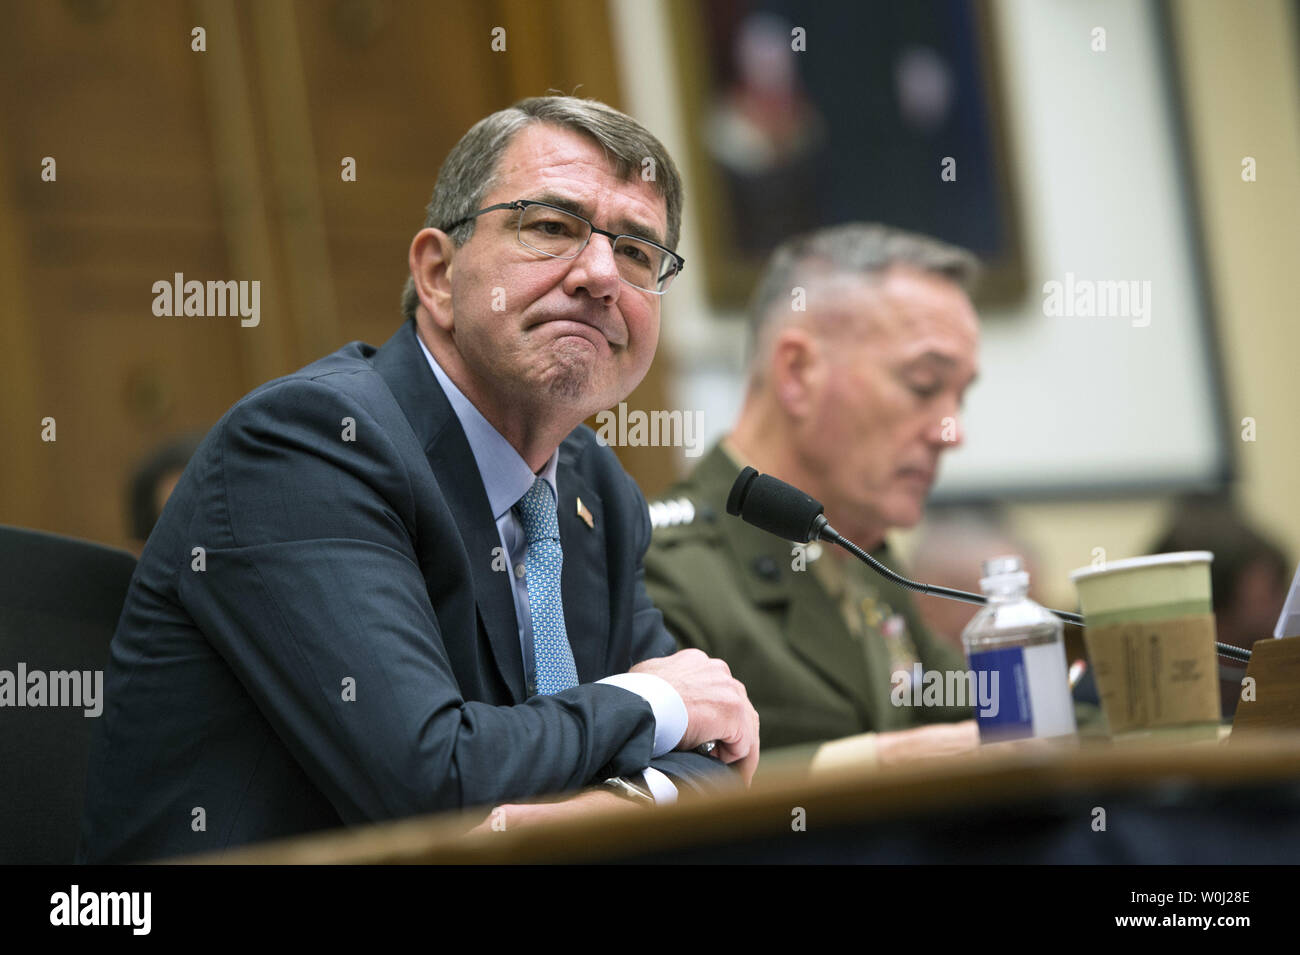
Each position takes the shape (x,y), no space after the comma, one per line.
(864,341)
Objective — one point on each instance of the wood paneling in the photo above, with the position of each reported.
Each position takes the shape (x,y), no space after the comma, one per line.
(225,164)
(116,100)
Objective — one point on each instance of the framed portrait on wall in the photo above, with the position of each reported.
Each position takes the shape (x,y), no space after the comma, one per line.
(802,115)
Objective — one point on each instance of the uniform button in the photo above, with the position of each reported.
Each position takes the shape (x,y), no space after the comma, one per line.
(767,568)
(520,570)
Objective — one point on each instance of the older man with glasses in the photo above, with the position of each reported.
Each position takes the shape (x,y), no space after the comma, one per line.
(408,579)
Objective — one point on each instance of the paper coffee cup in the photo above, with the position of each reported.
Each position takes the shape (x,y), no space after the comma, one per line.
(1149,629)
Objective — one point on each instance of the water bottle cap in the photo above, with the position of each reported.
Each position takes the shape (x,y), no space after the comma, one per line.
(1003,573)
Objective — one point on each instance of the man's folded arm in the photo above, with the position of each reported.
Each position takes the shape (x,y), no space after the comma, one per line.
(313,595)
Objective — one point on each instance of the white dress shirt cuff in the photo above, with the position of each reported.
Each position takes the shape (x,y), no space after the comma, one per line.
(666,702)
(660,786)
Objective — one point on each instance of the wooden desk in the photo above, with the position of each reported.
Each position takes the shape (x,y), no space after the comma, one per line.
(993,782)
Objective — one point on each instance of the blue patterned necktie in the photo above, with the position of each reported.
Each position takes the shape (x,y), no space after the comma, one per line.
(553,658)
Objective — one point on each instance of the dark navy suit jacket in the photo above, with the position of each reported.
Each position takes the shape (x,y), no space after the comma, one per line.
(342,648)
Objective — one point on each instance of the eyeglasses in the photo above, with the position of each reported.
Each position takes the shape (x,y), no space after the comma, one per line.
(561,234)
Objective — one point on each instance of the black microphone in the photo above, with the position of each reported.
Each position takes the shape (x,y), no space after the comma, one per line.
(784,510)
(776,507)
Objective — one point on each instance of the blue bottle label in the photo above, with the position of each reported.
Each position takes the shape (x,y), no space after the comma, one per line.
(1012,715)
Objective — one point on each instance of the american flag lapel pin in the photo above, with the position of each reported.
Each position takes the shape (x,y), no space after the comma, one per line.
(585,515)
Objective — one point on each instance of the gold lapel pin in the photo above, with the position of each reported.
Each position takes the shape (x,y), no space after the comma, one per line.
(585,515)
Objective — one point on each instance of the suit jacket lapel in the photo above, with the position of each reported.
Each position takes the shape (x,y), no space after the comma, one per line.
(413,384)
(586,599)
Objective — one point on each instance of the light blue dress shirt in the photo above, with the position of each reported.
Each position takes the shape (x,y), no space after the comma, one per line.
(506,478)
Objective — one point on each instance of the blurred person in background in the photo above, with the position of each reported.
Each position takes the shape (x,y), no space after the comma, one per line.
(852,398)
(152,482)
(950,551)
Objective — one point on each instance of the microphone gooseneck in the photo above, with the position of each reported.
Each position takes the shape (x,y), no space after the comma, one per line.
(781,509)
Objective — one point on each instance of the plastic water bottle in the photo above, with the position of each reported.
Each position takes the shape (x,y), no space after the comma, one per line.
(1017,655)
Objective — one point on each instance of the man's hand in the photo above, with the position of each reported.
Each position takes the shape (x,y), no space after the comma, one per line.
(590,803)
(938,739)
(717,706)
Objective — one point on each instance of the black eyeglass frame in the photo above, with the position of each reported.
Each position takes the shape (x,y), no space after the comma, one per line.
(521,204)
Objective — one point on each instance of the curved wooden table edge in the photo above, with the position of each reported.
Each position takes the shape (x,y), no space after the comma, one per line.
(959,782)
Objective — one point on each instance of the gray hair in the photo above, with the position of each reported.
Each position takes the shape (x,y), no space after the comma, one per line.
(855,249)
(470,170)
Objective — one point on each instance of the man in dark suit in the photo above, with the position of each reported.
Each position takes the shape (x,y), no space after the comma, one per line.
(407,579)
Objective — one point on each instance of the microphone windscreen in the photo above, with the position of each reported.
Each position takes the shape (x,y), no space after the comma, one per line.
(738,491)
(774,506)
